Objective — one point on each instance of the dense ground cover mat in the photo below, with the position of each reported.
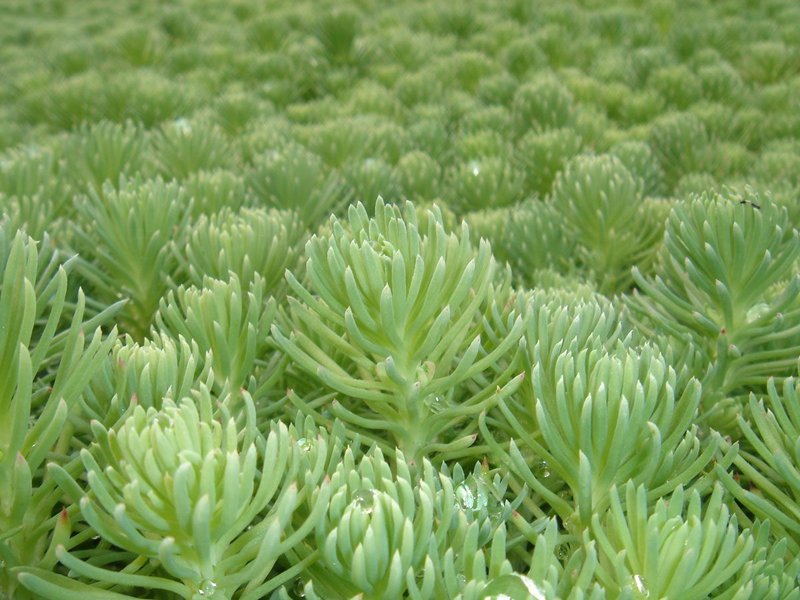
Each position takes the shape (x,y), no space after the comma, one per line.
(420,300)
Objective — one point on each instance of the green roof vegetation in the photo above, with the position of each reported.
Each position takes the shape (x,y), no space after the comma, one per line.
(423,299)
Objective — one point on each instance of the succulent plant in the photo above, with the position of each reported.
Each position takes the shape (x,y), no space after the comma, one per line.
(729,287)
(44,374)
(293,178)
(125,236)
(251,243)
(205,495)
(601,202)
(184,147)
(559,361)
(400,308)
(397,534)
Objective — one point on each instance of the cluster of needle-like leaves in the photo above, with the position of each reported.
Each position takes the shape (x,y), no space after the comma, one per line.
(392,317)
(420,300)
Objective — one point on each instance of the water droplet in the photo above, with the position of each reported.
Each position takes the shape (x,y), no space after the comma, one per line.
(461,580)
(543,469)
(481,499)
(435,404)
(465,499)
(304,445)
(474,167)
(207,588)
(562,552)
(299,588)
(364,500)
(495,513)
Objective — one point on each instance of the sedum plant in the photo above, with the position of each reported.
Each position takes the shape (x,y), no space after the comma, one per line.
(418,176)
(530,236)
(571,579)
(184,147)
(542,104)
(124,235)
(292,178)
(484,182)
(34,175)
(145,374)
(215,191)
(391,319)
(393,534)
(641,162)
(727,281)
(45,369)
(206,498)
(597,413)
(543,154)
(370,178)
(599,401)
(683,549)
(680,142)
(227,320)
(767,481)
(105,152)
(602,206)
(250,243)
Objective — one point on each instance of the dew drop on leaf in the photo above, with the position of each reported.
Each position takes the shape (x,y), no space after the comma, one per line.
(435,404)
(364,500)
(495,514)
(465,499)
(298,588)
(543,469)
(481,499)
(304,445)
(207,588)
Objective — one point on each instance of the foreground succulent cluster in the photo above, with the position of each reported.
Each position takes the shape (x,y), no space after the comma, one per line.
(425,300)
